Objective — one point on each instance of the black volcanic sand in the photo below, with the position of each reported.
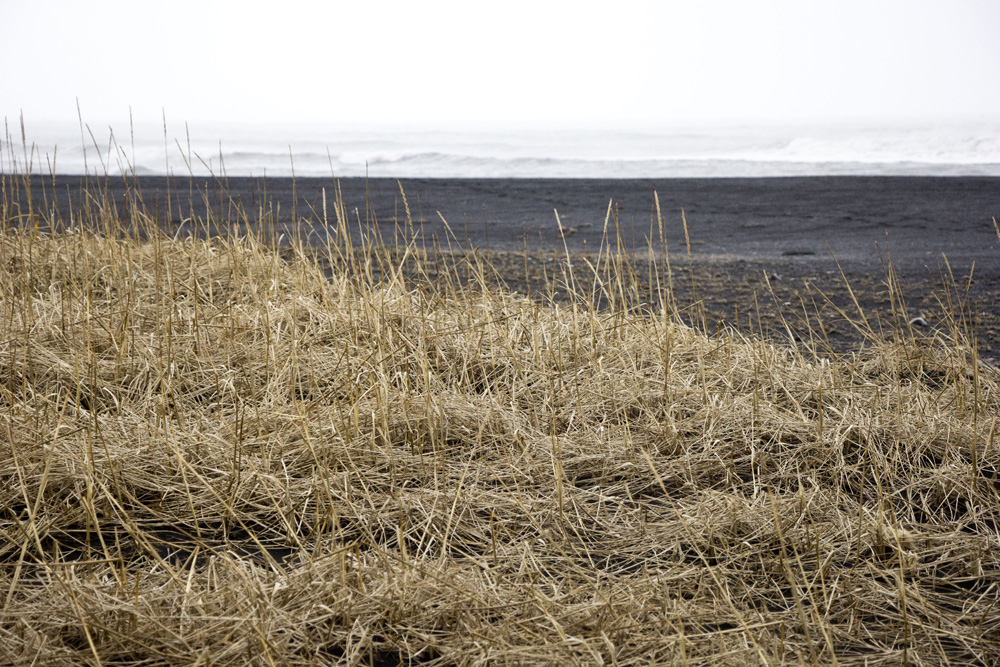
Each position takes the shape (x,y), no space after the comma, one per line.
(934,230)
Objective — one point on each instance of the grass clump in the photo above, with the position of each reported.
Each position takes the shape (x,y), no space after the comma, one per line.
(222,451)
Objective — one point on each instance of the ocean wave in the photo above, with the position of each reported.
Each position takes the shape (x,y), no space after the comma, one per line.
(732,152)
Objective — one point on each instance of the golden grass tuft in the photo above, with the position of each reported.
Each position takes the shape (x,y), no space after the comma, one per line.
(225,452)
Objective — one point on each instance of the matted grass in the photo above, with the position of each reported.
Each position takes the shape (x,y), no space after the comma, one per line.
(221,452)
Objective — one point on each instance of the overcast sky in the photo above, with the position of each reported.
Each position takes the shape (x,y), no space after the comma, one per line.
(536,62)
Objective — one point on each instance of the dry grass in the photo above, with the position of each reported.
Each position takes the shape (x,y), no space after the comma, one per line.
(216,452)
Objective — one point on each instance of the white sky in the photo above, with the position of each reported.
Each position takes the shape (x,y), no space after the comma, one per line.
(536,62)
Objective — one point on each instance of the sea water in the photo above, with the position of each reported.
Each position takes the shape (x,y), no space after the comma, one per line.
(281,150)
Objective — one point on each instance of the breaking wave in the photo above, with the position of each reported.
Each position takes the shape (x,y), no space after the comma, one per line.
(949,150)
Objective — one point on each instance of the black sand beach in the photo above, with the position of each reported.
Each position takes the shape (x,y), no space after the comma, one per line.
(801,220)
(741,230)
